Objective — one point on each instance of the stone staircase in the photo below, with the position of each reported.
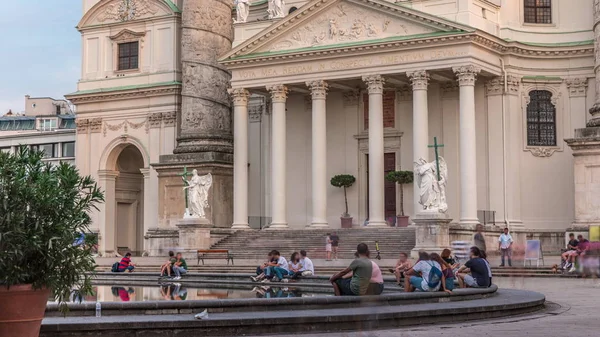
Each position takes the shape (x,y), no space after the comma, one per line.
(255,244)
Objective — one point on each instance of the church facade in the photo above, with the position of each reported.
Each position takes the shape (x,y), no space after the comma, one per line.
(356,87)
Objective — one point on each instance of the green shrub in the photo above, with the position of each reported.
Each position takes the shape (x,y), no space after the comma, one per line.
(344,181)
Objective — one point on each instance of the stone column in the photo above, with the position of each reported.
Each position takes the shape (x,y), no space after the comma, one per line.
(376,151)
(147,204)
(595,110)
(205,123)
(419,80)
(240,158)
(108,245)
(468,155)
(278,157)
(319,154)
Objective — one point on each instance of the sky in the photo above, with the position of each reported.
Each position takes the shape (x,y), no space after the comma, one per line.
(40,50)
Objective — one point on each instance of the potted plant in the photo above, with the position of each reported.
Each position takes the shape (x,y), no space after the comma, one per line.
(401,178)
(44,210)
(344,181)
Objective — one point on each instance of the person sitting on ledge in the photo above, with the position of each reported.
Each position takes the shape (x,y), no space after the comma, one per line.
(376,282)
(447,274)
(179,267)
(295,265)
(166,268)
(260,270)
(126,264)
(308,268)
(426,275)
(279,268)
(402,266)
(480,276)
(362,270)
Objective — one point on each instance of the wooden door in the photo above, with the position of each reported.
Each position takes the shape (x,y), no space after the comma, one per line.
(389,165)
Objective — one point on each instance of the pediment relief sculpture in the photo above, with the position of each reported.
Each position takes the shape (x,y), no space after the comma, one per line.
(347,23)
(127,35)
(117,11)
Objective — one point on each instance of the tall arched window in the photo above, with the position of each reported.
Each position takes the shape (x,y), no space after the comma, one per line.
(541,119)
(538,11)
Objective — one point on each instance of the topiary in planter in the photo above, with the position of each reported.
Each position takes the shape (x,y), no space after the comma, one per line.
(44,210)
(344,181)
(401,178)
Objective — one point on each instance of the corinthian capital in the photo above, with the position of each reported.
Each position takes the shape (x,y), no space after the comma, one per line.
(278,92)
(374,83)
(239,95)
(419,79)
(466,74)
(318,89)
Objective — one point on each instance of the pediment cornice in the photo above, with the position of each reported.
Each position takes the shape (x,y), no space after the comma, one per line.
(107,12)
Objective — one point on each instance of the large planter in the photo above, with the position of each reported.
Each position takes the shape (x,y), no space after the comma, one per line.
(402,221)
(346,222)
(22,310)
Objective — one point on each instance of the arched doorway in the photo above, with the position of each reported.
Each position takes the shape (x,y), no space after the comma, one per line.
(129,199)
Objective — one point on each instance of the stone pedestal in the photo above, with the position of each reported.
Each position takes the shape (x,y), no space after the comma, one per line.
(586,161)
(171,197)
(432,232)
(194,234)
(159,241)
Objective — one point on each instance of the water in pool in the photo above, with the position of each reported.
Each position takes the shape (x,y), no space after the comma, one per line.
(178,292)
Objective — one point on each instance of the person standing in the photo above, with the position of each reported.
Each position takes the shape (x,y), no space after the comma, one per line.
(335,242)
(505,243)
(328,247)
(179,267)
(479,239)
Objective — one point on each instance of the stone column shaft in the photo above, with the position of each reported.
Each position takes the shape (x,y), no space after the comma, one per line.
(319,153)
(376,151)
(278,158)
(595,110)
(240,158)
(419,80)
(108,245)
(468,141)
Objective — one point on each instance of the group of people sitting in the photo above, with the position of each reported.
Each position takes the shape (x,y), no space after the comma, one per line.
(276,268)
(577,250)
(175,265)
(432,272)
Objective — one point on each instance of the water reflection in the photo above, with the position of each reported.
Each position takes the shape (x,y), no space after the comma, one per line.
(178,292)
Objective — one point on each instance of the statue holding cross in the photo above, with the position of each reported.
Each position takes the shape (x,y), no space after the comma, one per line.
(196,193)
(431,179)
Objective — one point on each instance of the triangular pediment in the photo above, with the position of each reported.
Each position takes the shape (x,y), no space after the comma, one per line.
(118,11)
(321,23)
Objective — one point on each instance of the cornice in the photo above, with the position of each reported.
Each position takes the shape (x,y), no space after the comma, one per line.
(124,94)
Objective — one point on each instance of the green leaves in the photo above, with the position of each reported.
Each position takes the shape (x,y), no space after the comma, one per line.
(43,210)
(400,177)
(343,180)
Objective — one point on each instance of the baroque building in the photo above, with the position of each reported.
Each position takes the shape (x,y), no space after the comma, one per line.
(360,87)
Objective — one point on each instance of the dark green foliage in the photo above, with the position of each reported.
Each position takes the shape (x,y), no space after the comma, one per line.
(345,181)
(401,178)
(43,211)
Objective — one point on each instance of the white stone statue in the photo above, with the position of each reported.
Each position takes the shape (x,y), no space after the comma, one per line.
(432,190)
(242,9)
(275,9)
(197,189)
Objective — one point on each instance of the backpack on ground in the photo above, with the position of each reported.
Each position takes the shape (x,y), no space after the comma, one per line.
(435,276)
(115,267)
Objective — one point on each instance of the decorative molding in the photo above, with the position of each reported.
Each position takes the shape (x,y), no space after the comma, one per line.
(239,96)
(127,10)
(125,125)
(496,86)
(577,86)
(127,35)
(124,94)
(466,75)
(418,79)
(95,125)
(255,112)
(155,120)
(542,151)
(374,83)
(169,118)
(82,125)
(279,93)
(351,98)
(318,89)
(449,90)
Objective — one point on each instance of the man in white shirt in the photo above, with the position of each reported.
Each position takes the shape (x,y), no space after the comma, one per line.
(505,243)
(279,268)
(308,269)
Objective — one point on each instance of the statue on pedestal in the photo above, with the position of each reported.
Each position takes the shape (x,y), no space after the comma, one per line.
(197,194)
(275,9)
(431,179)
(242,9)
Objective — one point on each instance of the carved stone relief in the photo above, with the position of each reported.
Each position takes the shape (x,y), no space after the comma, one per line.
(82,125)
(347,23)
(542,151)
(125,125)
(169,118)
(127,10)
(577,87)
(95,125)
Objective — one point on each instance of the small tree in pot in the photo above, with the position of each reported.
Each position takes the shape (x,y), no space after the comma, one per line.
(401,178)
(344,181)
(44,210)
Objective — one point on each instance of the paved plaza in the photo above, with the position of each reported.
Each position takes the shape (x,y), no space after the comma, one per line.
(572,311)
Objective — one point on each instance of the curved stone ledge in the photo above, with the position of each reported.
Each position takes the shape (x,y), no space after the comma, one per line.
(295,314)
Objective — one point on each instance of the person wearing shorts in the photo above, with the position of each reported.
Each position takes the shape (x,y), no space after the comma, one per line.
(328,247)
(362,271)
(480,274)
(335,242)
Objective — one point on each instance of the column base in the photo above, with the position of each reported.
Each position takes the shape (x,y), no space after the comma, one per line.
(469,222)
(318,225)
(278,226)
(377,224)
(240,226)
